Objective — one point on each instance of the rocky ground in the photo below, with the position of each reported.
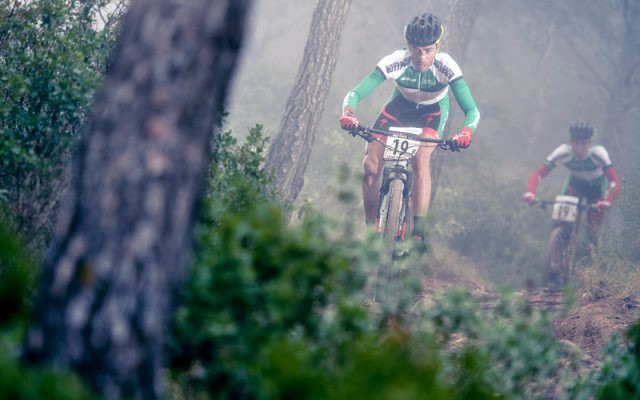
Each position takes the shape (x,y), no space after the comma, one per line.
(587,324)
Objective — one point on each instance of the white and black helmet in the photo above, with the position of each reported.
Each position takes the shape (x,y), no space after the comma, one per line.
(581,130)
(423,30)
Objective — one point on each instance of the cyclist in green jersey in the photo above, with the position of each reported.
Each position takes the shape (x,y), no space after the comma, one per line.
(423,76)
(592,175)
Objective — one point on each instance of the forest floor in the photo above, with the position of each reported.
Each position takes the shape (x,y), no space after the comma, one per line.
(587,324)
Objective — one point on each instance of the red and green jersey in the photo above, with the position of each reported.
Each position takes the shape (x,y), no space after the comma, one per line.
(424,88)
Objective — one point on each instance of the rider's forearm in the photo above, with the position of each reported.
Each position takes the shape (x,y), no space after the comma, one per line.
(363,89)
(614,184)
(538,174)
(464,98)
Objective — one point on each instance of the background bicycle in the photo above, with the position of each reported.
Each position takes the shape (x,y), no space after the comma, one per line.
(566,213)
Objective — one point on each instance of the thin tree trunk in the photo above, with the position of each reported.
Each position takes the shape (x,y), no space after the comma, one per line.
(289,154)
(460,23)
(619,133)
(125,230)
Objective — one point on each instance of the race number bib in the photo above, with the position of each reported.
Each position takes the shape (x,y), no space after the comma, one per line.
(400,149)
(565,209)
(401,146)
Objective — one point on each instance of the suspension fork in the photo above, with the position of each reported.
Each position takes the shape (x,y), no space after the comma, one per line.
(384,190)
(406,195)
(406,176)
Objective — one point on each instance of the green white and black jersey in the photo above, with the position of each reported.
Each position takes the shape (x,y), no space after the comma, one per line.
(422,88)
(590,169)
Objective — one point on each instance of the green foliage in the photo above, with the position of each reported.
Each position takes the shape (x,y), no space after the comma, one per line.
(16,285)
(255,280)
(514,342)
(16,277)
(619,374)
(396,367)
(51,59)
(233,163)
(20,383)
(274,311)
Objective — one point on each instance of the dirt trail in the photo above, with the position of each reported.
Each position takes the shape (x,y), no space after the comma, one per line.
(589,324)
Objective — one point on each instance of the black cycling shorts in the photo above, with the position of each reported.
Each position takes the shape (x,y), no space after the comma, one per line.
(402,112)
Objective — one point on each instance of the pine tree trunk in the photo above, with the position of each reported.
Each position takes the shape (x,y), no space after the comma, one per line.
(460,23)
(620,131)
(124,233)
(289,153)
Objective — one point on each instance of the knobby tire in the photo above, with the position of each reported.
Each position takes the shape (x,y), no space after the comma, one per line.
(394,212)
(392,225)
(556,253)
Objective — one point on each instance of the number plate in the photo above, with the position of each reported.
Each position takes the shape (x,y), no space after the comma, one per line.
(565,208)
(400,148)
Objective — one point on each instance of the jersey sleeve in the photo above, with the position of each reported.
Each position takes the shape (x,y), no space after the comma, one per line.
(602,156)
(448,68)
(363,89)
(393,65)
(558,155)
(464,98)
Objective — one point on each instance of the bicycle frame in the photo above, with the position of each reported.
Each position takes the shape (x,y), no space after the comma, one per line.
(394,208)
(564,235)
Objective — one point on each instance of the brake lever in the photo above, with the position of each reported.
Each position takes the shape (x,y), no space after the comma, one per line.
(450,145)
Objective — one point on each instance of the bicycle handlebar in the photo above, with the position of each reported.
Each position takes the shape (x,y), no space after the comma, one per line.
(367,134)
(543,204)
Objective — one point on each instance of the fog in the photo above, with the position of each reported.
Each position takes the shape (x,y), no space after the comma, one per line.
(534,67)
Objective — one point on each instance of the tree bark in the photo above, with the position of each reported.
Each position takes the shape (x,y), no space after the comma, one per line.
(289,153)
(125,231)
(458,30)
(620,131)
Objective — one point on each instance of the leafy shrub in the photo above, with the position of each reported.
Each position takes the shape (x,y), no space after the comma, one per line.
(618,376)
(16,284)
(274,311)
(255,280)
(514,343)
(51,59)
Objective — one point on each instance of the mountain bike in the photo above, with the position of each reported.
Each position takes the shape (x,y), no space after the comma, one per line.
(566,212)
(394,215)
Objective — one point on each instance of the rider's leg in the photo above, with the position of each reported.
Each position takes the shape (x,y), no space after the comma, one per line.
(594,221)
(422,186)
(370,190)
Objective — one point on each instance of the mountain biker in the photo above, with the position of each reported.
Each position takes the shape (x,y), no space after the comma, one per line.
(592,175)
(423,76)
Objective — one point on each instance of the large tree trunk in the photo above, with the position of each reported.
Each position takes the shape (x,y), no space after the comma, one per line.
(125,230)
(460,23)
(289,154)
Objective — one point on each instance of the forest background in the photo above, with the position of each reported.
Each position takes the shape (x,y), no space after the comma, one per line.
(534,68)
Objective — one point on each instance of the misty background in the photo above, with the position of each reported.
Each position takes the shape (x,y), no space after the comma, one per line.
(534,68)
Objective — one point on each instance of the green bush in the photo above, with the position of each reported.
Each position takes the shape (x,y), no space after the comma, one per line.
(51,61)
(255,280)
(271,310)
(618,376)
(16,285)
(514,343)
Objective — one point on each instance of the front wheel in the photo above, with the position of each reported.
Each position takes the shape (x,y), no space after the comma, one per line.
(394,213)
(391,230)
(556,265)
